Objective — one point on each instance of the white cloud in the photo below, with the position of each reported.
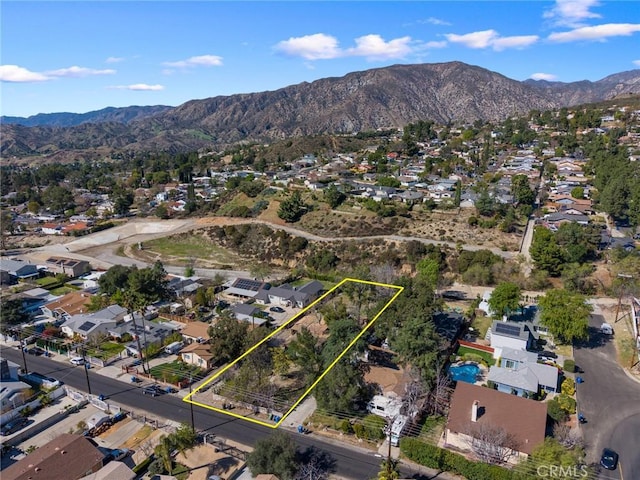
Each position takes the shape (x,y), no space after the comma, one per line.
(636,62)
(597,32)
(436,21)
(517,41)
(480,39)
(571,13)
(435,44)
(544,76)
(78,72)
(311,47)
(114,59)
(198,61)
(374,47)
(139,87)
(14,73)
(491,38)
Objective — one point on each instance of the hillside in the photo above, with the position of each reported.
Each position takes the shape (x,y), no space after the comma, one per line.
(387,97)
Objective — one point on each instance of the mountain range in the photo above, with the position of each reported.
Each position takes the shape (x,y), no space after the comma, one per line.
(388,97)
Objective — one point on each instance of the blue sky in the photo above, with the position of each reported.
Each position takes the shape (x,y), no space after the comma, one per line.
(86,55)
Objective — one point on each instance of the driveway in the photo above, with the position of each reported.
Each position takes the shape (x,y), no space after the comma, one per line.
(610,400)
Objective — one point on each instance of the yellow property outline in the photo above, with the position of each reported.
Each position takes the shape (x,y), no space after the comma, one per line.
(275,332)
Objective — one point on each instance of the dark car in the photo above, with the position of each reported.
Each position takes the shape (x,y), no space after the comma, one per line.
(276,309)
(14,425)
(153,390)
(35,351)
(546,354)
(609,459)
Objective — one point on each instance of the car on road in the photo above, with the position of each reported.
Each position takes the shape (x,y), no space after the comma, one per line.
(14,425)
(609,459)
(277,310)
(153,390)
(77,360)
(35,351)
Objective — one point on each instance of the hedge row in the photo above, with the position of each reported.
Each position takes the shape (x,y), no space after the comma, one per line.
(446,461)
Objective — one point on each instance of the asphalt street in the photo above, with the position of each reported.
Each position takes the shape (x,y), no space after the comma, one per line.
(349,462)
(610,401)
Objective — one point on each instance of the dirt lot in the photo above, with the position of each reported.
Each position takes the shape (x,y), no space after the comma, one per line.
(205,461)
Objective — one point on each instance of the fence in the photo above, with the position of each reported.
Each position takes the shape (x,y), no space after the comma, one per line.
(476,346)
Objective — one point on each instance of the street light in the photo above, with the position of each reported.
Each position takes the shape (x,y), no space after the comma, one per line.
(86,370)
(193,423)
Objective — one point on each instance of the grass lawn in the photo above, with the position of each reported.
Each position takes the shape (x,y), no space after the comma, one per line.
(106,350)
(564,350)
(485,355)
(432,429)
(481,324)
(63,290)
(173,372)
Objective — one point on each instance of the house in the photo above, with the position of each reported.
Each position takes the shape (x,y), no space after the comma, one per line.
(112,471)
(18,270)
(35,298)
(244,287)
(14,393)
(199,355)
(514,335)
(248,313)
(448,325)
(475,411)
(519,373)
(68,305)
(67,456)
(290,296)
(98,322)
(196,332)
(67,266)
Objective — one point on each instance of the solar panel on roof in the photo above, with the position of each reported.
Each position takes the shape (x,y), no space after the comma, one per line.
(506,329)
(86,326)
(246,284)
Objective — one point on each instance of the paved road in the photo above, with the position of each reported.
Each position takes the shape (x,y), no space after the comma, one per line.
(610,401)
(350,463)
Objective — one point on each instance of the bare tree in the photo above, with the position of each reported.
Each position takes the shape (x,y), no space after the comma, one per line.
(440,393)
(314,465)
(491,444)
(567,437)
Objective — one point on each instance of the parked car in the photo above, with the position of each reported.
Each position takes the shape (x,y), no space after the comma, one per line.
(14,425)
(77,360)
(609,459)
(35,351)
(117,454)
(276,309)
(153,390)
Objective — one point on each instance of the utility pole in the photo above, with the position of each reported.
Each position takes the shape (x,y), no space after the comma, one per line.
(193,423)
(624,277)
(22,347)
(86,370)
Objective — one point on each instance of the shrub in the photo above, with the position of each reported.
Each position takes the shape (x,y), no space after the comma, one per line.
(374,427)
(569,365)
(568,386)
(346,427)
(567,403)
(555,411)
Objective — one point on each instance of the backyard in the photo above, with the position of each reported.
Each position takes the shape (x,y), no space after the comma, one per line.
(466,352)
(174,372)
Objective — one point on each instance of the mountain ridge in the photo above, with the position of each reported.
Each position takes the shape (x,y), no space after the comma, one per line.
(386,97)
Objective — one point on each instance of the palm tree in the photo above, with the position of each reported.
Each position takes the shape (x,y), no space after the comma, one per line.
(133,303)
(389,470)
(163,452)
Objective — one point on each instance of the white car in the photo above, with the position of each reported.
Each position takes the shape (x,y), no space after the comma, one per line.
(77,360)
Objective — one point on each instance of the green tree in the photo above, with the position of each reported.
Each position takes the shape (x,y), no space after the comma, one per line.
(274,455)
(577,192)
(292,208)
(551,452)
(389,470)
(306,352)
(565,314)
(545,252)
(228,337)
(505,299)
(13,312)
(333,196)
(342,387)
(57,199)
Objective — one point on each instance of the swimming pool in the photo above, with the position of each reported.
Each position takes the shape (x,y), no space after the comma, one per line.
(466,373)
